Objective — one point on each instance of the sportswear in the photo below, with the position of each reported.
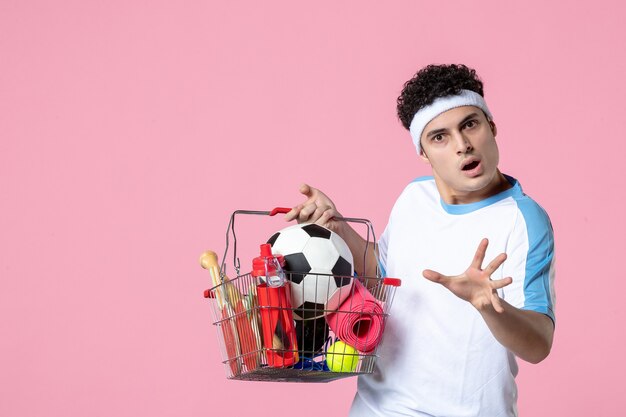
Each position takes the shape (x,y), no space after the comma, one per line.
(437,356)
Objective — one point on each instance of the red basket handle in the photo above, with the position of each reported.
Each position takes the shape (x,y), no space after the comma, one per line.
(279,210)
(394,282)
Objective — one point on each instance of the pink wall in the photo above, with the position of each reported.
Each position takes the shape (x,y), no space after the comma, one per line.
(130,130)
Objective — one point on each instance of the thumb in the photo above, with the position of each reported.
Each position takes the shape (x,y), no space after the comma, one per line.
(433,276)
(306,189)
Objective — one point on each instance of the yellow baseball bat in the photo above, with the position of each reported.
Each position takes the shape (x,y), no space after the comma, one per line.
(208,260)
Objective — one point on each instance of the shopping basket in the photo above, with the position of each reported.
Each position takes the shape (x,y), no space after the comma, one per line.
(262,337)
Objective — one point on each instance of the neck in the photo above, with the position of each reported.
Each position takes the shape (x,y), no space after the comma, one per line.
(498,184)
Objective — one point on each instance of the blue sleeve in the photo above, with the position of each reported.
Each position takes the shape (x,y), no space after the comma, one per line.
(538,284)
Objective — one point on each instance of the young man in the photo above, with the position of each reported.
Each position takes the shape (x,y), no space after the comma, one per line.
(457,323)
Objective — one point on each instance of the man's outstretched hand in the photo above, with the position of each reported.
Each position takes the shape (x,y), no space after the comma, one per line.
(475,284)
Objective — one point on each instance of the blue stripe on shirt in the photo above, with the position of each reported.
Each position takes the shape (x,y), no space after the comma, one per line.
(537,283)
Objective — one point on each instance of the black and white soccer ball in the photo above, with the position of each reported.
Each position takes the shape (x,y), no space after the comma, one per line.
(319,265)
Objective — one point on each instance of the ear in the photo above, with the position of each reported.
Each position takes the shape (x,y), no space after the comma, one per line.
(494,129)
(423,156)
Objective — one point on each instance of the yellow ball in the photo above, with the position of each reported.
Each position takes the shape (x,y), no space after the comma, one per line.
(341,357)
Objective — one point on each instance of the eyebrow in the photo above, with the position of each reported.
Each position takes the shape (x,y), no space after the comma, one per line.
(435,132)
(468,117)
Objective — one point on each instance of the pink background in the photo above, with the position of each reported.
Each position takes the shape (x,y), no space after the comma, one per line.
(130,130)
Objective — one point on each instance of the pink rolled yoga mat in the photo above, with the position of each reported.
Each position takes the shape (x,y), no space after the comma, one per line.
(359,320)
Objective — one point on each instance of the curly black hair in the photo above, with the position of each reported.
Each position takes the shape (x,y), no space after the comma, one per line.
(432,82)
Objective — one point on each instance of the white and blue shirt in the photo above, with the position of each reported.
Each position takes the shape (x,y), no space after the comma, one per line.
(438,357)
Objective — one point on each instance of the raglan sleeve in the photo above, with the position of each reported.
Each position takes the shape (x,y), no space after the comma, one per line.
(530,261)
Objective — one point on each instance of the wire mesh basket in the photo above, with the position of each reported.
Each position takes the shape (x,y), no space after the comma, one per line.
(332,333)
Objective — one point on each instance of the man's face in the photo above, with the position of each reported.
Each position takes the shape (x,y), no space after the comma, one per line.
(460,146)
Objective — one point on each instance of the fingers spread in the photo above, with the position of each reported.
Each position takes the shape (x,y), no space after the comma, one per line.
(501,283)
(434,276)
(479,257)
(495,264)
(495,301)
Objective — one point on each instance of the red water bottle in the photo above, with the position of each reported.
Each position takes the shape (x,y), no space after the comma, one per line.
(269,267)
(274,292)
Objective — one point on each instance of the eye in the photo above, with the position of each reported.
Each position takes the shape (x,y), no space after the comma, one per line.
(437,138)
(470,124)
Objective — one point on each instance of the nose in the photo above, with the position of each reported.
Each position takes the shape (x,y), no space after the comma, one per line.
(462,143)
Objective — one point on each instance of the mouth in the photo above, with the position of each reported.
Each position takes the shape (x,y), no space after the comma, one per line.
(470,166)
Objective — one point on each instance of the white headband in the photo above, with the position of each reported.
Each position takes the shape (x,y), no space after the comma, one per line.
(443,104)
